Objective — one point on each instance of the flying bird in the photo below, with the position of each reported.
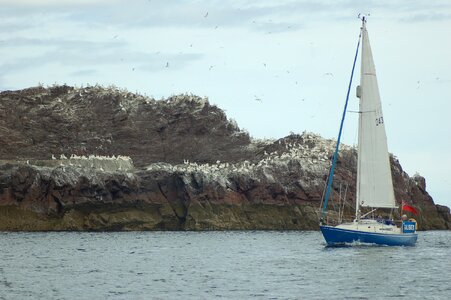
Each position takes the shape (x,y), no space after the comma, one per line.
(167,65)
(211,67)
(206,15)
(257,99)
(328,74)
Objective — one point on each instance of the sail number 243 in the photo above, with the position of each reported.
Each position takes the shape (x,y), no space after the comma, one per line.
(379,121)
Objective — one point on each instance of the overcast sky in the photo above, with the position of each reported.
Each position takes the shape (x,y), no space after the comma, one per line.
(274,66)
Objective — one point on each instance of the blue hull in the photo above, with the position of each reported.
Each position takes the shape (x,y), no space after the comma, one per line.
(338,236)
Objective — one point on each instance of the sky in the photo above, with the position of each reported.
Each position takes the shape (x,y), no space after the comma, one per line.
(275,67)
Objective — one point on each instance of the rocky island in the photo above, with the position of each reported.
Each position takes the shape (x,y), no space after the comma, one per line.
(102,158)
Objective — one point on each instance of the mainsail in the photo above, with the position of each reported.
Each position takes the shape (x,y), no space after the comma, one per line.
(374,179)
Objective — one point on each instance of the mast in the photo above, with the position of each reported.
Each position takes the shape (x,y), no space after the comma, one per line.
(358,92)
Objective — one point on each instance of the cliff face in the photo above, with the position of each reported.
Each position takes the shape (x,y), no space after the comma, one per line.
(37,122)
(195,170)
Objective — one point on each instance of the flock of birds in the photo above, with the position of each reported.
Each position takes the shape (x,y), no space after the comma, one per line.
(101,163)
(312,154)
(128,101)
(93,157)
(168,64)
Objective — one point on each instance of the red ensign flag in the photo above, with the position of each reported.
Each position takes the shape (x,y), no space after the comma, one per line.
(409,208)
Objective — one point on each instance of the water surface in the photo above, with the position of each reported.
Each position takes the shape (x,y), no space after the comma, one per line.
(205,265)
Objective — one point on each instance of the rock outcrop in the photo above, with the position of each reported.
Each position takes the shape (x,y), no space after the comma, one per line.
(38,122)
(194,169)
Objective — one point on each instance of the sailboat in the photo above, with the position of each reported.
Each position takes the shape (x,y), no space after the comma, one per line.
(374,187)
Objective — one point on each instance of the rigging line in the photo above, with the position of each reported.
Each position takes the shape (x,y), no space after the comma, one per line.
(322,196)
(334,160)
(344,201)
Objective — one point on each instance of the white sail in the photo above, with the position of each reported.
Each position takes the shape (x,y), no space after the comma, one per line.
(374,179)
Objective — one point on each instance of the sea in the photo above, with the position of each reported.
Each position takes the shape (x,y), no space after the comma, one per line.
(219,264)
